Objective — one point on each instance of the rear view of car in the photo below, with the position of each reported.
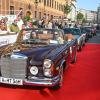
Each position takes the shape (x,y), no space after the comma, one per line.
(90,31)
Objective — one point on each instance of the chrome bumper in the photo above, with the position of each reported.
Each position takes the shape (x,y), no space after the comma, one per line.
(34,81)
(42,82)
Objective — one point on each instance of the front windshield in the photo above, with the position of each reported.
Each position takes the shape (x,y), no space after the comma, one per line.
(76,32)
(68,31)
(83,31)
(72,31)
(42,36)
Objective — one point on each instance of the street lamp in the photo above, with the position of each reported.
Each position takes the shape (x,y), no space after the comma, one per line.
(36,5)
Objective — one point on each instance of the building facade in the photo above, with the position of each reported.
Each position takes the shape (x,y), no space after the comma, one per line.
(89,15)
(38,8)
(72,15)
(98,15)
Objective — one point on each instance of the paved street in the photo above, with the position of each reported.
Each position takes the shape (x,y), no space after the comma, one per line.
(95,39)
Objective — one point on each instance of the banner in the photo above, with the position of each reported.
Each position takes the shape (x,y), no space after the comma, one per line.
(4,40)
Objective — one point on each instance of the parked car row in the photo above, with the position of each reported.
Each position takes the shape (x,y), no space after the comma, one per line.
(90,31)
(81,34)
(40,56)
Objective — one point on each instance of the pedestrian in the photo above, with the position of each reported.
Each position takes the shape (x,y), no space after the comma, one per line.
(20,22)
(14,27)
(49,26)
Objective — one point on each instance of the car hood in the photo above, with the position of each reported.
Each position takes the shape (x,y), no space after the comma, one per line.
(37,53)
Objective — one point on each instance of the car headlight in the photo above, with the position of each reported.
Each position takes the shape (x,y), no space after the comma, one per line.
(47,67)
(47,72)
(34,70)
(47,63)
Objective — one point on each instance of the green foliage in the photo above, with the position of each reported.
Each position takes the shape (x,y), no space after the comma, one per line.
(67,9)
(27,18)
(84,20)
(80,16)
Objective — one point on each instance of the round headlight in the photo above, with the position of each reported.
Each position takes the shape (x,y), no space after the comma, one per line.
(34,70)
(47,63)
(47,72)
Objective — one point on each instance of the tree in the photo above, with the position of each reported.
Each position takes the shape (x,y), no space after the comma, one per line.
(67,9)
(83,20)
(80,16)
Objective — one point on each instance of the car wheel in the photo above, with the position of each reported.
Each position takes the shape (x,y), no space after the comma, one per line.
(80,48)
(74,59)
(83,42)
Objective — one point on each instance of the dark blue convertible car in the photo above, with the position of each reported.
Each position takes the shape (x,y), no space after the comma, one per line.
(38,57)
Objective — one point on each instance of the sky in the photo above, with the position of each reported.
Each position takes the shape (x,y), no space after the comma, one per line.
(88,4)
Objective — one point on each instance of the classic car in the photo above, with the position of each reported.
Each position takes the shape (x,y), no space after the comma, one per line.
(38,58)
(76,32)
(85,33)
(90,31)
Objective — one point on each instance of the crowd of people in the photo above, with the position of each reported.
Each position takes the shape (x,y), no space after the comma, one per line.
(27,22)
(18,24)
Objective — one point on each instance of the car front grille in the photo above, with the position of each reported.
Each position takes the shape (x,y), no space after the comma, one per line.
(13,68)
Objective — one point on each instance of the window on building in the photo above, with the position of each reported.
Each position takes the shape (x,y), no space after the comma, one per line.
(39,0)
(62,7)
(55,4)
(39,15)
(11,10)
(52,3)
(35,14)
(45,2)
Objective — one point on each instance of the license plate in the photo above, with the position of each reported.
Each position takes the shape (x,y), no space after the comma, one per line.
(11,81)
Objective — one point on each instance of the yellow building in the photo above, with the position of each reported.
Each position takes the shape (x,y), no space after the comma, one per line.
(39,8)
(53,8)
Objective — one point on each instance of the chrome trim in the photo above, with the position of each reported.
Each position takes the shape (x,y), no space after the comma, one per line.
(13,67)
(18,56)
(42,82)
(62,62)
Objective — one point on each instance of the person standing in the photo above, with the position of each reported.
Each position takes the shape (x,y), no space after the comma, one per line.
(14,27)
(20,22)
(49,26)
